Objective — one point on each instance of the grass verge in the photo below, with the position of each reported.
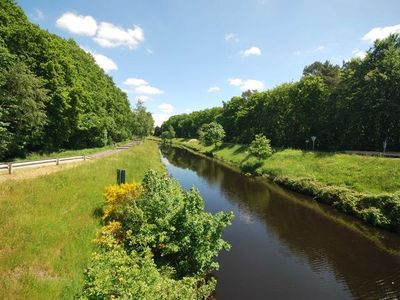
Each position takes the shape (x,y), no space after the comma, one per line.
(67,153)
(363,186)
(48,223)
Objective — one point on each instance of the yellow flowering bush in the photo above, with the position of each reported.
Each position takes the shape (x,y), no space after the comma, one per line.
(113,229)
(117,196)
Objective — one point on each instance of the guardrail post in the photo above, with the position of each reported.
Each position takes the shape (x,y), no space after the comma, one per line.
(57,161)
(10,168)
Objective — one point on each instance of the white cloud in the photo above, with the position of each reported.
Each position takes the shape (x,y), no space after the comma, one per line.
(142,87)
(160,118)
(317,49)
(148,90)
(78,24)
(360,54)
(297,52)
(379,33)
(235,81)
(213,89)
(142,98)
(166,108)
(251,51)
(188,110)
(231,37)
(149,51)
(249,84)
(135,82)
(110,36)
(104,62)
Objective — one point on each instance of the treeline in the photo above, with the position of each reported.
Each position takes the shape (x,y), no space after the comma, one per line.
(355,106)
(53,95)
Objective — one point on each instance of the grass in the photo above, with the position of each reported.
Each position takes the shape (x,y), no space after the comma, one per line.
(48,223)
(360,173)
(363,186)
(67,153)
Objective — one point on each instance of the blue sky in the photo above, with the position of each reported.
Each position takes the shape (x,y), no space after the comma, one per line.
(181,55)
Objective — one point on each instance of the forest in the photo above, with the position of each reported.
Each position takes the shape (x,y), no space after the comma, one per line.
(54,96)
(355,106)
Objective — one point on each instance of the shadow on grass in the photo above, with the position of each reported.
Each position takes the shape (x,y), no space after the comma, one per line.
(98,212)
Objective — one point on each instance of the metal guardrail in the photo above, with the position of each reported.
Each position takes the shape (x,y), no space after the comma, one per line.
(11,165)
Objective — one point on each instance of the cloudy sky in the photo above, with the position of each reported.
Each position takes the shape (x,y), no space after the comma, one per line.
(180,55)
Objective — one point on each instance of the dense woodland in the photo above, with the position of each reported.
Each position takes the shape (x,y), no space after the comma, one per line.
(355,106)
(54,96)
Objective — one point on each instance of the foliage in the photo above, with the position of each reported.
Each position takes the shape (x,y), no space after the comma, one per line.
(187,125)
(354,106)
(50,221)
(54,96)
(363,186)
(158,243)
(169,134)
(211,133)
(114,273)
(117,197)
(143,122)
(260,147)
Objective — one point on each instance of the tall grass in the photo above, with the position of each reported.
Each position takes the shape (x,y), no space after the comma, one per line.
(47,224)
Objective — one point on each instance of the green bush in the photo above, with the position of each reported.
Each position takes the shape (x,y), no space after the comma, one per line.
(115,273)
(260,147)
(162,245)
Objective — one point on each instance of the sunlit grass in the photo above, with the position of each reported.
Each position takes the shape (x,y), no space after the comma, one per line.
(359,173)
(66,153)
(47,224)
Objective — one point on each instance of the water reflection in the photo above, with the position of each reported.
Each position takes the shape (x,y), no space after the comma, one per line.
(285,246)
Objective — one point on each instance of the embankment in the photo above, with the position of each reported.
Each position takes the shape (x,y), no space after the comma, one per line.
(367,188)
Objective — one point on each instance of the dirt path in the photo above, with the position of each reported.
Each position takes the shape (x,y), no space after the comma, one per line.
(26,172)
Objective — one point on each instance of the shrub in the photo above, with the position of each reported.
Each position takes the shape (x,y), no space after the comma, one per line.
(117,197)
(157,243)
(114,273)
(211,133)
(260,147)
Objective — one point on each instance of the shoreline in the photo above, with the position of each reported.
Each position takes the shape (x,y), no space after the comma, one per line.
(376,210)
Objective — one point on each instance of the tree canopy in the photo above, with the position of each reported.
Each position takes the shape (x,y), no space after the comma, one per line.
(352,107)
(53,95)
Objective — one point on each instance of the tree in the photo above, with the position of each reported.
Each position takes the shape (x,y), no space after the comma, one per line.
(22,114)
(211,133)
(168,135)
(260,147)
(143,122)
(327,71)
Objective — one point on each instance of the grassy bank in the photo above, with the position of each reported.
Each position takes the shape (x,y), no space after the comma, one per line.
(48,223)
(362,186)
(67,153)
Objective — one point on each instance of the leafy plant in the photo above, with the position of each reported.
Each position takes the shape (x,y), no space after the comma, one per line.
(211,133)
(157,243)
(260,147)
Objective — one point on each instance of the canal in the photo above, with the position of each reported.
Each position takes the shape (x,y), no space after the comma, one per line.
(285,245)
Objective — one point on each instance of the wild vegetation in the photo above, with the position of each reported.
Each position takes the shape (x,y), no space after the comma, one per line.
(54,96)
(157,242)
(355,106)
(48,224)
(365,187)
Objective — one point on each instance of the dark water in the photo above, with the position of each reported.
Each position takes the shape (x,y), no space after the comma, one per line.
(286,246)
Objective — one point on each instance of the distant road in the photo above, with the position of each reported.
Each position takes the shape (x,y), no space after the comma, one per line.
(4,168)
(373,153)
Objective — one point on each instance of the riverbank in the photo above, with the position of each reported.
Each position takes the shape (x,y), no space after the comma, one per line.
(48,224)
(367,188)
